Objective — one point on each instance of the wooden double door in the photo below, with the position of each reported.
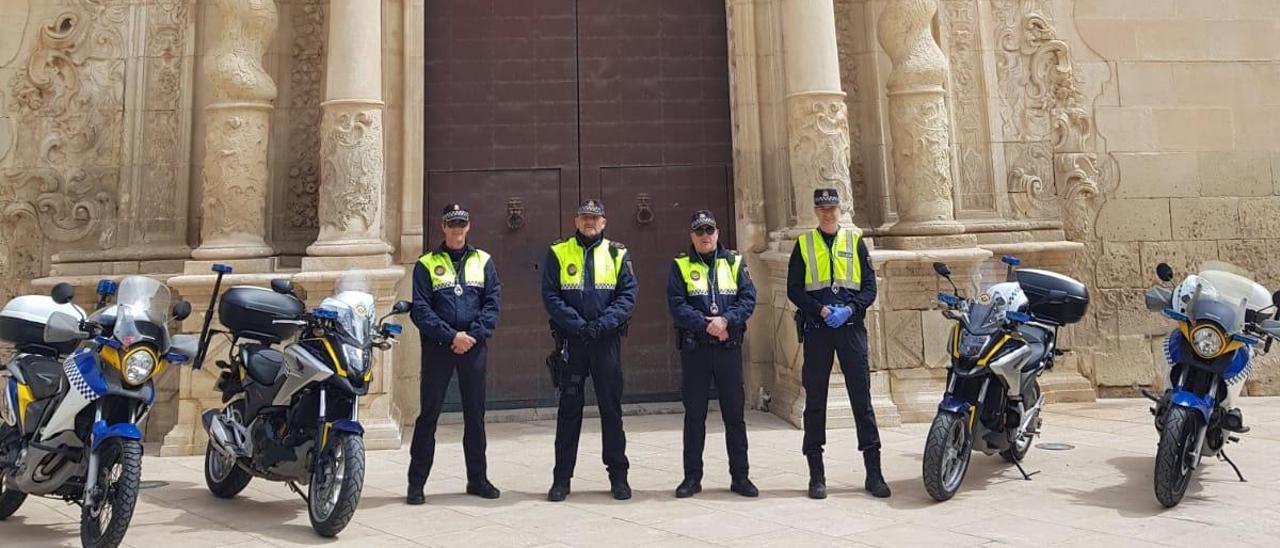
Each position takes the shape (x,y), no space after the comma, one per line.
(535,105)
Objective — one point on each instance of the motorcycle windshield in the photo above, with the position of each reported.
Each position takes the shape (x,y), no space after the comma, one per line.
(1225,292)
(354,303)
(142,313)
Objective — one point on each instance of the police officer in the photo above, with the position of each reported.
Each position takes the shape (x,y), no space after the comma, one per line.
(831,282)
(711,297)
(456,296)
(589,290)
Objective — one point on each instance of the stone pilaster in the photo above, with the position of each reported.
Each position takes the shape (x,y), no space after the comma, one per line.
(239,118)
(920,126)
(351,208)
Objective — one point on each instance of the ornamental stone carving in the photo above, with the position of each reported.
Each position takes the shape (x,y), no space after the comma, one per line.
(820,144)
(353,171)
(235,167)
(968,95)
(919,119)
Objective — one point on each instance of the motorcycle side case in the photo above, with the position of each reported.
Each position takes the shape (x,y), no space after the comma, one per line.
(1037,284)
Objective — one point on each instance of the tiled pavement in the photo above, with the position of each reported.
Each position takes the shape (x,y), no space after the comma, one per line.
(1097,494)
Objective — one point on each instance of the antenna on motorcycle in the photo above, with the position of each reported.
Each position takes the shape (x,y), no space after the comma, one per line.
(1164,272)
(1012,262)
(222,270)
(945,272)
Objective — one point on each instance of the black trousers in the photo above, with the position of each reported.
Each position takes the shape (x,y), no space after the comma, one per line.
(849,342)
(598,360)
(701,367)
(438,365)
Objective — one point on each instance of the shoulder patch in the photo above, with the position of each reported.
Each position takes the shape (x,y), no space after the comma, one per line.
(616,245)
(731,253)
(682,255)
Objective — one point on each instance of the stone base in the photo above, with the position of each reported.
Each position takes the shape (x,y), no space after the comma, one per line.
(788,403)
(348,248)
(945,241)
(882,400)
(917,392)
(317,264)
(382,433)
(1063,386)
(238,266)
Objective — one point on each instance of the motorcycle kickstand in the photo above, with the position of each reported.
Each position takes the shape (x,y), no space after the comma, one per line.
(1222,455)
(294,487)
(1024,473)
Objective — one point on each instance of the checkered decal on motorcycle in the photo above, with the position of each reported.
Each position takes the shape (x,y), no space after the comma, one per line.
(71,368)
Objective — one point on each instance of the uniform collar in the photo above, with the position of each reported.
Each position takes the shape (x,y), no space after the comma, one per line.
(693,251)
(444,248)
(588,243)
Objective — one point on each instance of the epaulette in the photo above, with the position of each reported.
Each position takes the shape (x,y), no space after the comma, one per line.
(616,245)
(731,253)
(682,255)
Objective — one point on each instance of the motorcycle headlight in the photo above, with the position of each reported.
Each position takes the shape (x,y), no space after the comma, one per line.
(355,357)
(1207,341)
(138,366)
(971,345)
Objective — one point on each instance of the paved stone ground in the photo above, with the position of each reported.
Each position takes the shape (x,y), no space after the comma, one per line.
(1099,494)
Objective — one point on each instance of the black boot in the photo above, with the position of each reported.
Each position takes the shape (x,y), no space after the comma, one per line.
(689,487)
(875,480)
(559,490)
(483,489)
(415,497)
(817,478)
(619,487)
(744,487)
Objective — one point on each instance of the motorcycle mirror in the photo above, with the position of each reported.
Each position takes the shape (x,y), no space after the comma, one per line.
(1164,272)
(63,293)
(181,310)
(63,328)
(402,307)
(282,286)
(942,269)
(1275,299)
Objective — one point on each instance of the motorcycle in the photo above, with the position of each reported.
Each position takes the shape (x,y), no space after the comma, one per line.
(1001,343)
(290,412)
(1222,320)
(70,428)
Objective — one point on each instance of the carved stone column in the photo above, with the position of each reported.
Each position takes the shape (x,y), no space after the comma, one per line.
(239,118)
(352,175)
(920,126)
(818,121)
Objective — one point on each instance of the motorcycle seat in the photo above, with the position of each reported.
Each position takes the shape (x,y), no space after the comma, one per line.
(41,373)
(264,363)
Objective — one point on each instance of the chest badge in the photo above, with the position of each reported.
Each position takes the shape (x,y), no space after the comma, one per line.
(572,270)
(439,270)
(695,276)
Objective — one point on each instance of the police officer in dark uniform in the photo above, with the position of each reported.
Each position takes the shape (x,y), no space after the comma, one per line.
(589,290)
(456,297)
(711,297)
(831,281)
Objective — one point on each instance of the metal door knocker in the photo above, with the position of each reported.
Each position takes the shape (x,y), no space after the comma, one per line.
(644,211)
(515,213)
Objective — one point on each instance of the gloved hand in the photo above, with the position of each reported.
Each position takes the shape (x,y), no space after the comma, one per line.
(838,316)
(592,331)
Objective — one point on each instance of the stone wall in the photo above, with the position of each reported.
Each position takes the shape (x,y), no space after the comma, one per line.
(1191,114)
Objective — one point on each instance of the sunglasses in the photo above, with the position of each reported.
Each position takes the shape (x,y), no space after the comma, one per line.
(456,224)
(704,231)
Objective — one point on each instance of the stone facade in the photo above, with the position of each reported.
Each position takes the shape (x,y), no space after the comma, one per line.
(1097,137)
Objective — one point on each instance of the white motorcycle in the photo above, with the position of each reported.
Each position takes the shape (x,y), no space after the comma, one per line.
(1223,319)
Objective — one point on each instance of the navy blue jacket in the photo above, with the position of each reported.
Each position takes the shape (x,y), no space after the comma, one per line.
(690,313)
(440,315)
(810,303)
(571,310)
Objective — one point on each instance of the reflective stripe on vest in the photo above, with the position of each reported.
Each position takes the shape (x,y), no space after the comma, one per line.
(440,267)
(695,274)
(818,261)
(572,256)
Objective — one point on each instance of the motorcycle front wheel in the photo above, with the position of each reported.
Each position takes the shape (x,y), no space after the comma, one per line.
(336,482)
(106,512)
(946,455)
(1177,455)
(10,500)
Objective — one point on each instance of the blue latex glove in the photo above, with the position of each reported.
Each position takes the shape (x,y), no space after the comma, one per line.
(838,316)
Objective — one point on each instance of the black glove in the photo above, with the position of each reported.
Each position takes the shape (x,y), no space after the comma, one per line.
(591,331)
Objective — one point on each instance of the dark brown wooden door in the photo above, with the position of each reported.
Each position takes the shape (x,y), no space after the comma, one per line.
(547,102)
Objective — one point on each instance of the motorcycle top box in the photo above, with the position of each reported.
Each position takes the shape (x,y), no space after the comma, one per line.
(250,312)
(23,320)
(1054,298)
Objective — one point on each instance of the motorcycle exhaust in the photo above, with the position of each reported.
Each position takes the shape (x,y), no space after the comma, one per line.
(223,434)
